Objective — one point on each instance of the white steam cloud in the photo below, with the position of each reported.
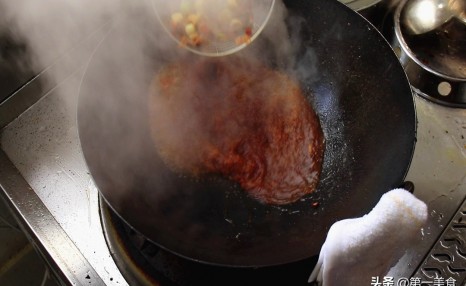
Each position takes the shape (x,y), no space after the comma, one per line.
(51,28)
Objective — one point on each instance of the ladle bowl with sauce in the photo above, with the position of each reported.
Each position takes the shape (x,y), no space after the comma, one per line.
(213,27)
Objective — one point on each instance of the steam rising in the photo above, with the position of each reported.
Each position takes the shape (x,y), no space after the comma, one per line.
(52,28)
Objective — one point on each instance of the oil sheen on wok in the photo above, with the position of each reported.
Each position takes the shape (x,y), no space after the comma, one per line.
(240,119)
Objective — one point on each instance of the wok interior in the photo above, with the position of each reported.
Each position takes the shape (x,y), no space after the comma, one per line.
(359,91)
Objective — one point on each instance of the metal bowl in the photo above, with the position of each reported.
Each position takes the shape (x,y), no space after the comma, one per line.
(435,62)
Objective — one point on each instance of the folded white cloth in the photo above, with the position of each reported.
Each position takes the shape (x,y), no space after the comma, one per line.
(358,249)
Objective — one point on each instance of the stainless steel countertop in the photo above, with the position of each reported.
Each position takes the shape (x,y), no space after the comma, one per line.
(438,171)
(55,198)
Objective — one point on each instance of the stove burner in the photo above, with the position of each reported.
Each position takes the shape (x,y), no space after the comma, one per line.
(144,263)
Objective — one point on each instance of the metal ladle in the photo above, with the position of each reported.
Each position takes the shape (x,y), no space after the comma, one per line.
(422,16)
(215,16)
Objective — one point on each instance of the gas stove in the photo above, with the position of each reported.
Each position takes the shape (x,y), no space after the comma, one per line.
(48,187)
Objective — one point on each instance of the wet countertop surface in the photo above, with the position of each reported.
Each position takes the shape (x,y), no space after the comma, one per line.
(438,171)
(43,144)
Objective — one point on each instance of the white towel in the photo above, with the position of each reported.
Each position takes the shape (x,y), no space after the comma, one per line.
(361,248)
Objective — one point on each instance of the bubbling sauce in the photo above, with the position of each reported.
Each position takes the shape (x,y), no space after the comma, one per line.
(240,119)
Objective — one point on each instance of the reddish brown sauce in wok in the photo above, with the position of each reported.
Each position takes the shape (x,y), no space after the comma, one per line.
(240,119)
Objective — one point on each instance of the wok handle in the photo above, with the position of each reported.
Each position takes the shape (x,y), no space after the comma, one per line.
(407,185)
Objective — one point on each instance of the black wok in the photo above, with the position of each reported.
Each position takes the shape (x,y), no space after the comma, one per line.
(360,93)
